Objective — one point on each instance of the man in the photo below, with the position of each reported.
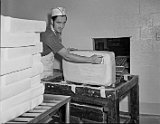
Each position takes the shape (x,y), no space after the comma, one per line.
(52,43)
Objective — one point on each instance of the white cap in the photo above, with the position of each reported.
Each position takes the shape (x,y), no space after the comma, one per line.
(58,11)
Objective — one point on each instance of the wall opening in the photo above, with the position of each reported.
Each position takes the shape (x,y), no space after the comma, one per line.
(120,46)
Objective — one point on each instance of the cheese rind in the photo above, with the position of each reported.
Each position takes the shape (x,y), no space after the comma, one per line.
(94,74)
(36,58)
(35,81)
(37,68)
(13,53)
(20,63)
(10,24)
(19,39)
(37,90)
(15,88)
(15,100)
(38,48)
(14,111)
(17,105)
(36,101)
(15,77)
(20,85)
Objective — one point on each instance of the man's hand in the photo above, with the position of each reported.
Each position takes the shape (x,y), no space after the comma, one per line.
(71,49)
(96,59)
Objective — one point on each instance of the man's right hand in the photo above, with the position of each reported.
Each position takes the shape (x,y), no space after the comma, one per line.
(96,59)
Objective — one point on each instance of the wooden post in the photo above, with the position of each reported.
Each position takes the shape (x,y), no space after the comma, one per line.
(112,109)
(134,104)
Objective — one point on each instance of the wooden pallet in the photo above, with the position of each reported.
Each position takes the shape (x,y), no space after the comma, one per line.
(44,112)
(76,89)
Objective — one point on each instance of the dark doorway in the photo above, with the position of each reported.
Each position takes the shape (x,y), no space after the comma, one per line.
(120,46)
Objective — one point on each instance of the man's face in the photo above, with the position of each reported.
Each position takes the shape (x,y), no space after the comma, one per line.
(59,23)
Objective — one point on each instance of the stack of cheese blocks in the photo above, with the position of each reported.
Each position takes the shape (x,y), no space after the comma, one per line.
(20,48)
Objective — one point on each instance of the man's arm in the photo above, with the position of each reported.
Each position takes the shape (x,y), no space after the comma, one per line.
(94,59)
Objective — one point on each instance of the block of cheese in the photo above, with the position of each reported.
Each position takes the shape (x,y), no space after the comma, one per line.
(18,39)
(10,24)
(20,63)
(19,109)
(14,111)
(37,90)
(36,101)
(15,100)
(36,58)
(15,77)
(36,80)
(15,52)
(38,48)
(37,68)
(15,88)
(94,74)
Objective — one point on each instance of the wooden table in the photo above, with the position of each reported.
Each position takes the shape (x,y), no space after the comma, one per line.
(44,112)
(115,95)
(85,95)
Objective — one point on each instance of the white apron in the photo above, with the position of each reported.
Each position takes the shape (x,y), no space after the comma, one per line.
(48,67)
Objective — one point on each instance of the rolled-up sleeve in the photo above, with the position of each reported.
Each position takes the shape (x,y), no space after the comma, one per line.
(52,42)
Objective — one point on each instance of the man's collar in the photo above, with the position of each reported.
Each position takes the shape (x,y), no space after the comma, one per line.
(53,29)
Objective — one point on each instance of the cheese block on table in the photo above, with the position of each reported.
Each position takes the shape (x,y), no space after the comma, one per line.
(15,111)
(10,24)
(94,74)
(20,63)
(15,77)
(14,88)
(19,39)
(15,52)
